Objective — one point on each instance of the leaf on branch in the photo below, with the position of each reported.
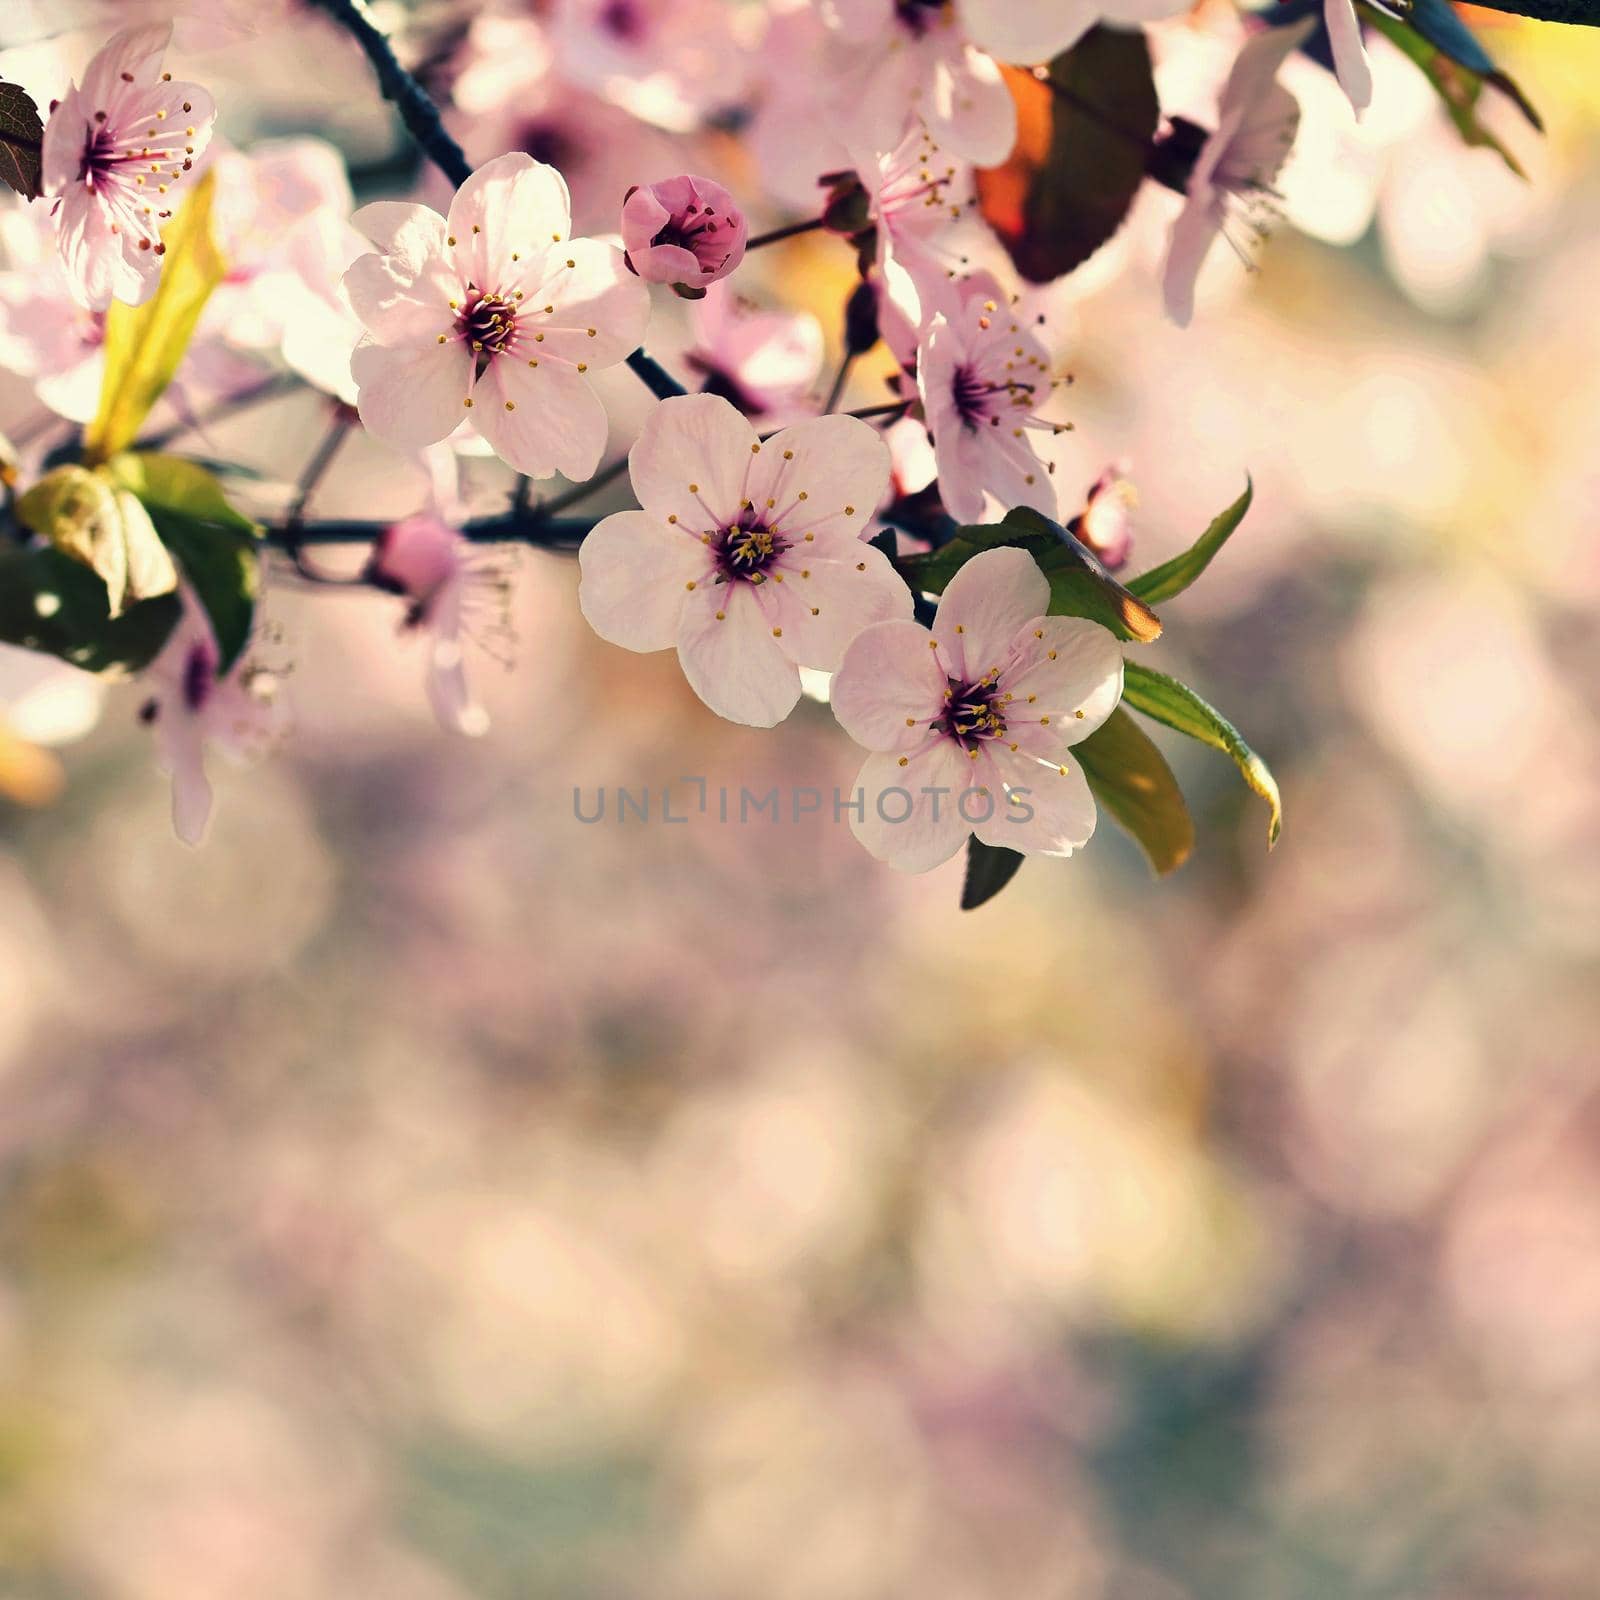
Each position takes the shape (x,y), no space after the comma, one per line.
(990,867)
(1130,777)
(21,140)
(1079,585)
(145,344)
(1456,65)
(1177,706)
(51,602)
(85,515)
(214,544)
(1174,576)
(1083,140)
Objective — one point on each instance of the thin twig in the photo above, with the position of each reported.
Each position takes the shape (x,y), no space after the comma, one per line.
(579,491)
(294,534)
(840,379)
(549,533)
(269,388)
(794,228)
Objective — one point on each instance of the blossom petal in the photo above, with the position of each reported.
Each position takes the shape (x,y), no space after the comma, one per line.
(986,604)
(1053,812)
(403,296)
(731,659)
(130,59)
(920,826)
(599,310)
(412,397)
(888,679)
(635,576)
(691,460)
(1025,32)
(824,474)
(822,602)
(510,206)
(541,419)
(1349,54)
(1073,669)
(971,110)
(1192,236)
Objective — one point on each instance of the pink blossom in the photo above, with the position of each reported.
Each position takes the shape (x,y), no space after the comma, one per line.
(764,362)
(1237,166)
(452,595)
(892,59)
(685,231)
(190,706)
(1106,524)
(1028,31)
(114,149)
(970,722)
(1349,54)
(493,314)
(748,554)
(46,336)
(983,378)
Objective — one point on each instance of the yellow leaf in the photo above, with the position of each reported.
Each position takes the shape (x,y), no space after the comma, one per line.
(145,344)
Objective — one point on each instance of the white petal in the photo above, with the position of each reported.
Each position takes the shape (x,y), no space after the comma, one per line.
(911,815)
(985,605)
(540,420)
(841,466)
(888,678)
(732,661)
(825,599)
(412,397)
(691,460)
(512,205)
(1045,810)
(635,576)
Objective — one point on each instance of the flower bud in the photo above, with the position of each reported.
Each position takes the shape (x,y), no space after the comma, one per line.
(685,231)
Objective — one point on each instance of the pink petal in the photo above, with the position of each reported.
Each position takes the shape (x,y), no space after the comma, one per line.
(1349,54)
(1053,813)
(1073,666)
(985,605)
(824,602)
(691,460)
(837,462)
(971,110)
(397,227)
(135,51)
(601,309)
(542,419)
(410,398)
(511,205)
(913,830)
(888,675)
(1026,32)
(1192,235)
(732,661)
(635,576)
(403,296)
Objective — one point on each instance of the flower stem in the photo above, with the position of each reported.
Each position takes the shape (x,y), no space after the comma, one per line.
(778,234)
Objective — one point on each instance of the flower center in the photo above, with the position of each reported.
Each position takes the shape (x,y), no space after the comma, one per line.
(487,323)
(101,157)
(979,399)
(972,713)
(917,16)
(199,677)
(697,232)
(625,19)
(747,549)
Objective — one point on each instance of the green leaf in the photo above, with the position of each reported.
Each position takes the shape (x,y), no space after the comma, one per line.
(1130,777)
(53,603)
(1174,576)
(1079,585)
(145,344)
(87,516)
(214,544)
(1457,85)
(1179,707)
(990,867)
(1083,140)
(21,141)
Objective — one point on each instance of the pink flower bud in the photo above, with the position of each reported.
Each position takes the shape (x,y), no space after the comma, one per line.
(415,558)
(684,231)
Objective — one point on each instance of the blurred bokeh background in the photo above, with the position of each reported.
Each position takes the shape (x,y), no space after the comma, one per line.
(417,1193)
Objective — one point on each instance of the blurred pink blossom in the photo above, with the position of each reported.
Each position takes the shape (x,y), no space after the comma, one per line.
(764,362)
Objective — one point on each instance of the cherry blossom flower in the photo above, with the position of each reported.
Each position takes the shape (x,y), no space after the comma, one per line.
(453,593)
(685,231)
(970,722)
(190,706)
(748,554)
(493,314)
(983,378)
(764,362)
(1105,524)
(114,148)
(1235,168)
(1349,54)
(46,336)
(891,59)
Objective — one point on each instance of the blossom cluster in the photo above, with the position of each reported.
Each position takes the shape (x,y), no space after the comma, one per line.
(778,542)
